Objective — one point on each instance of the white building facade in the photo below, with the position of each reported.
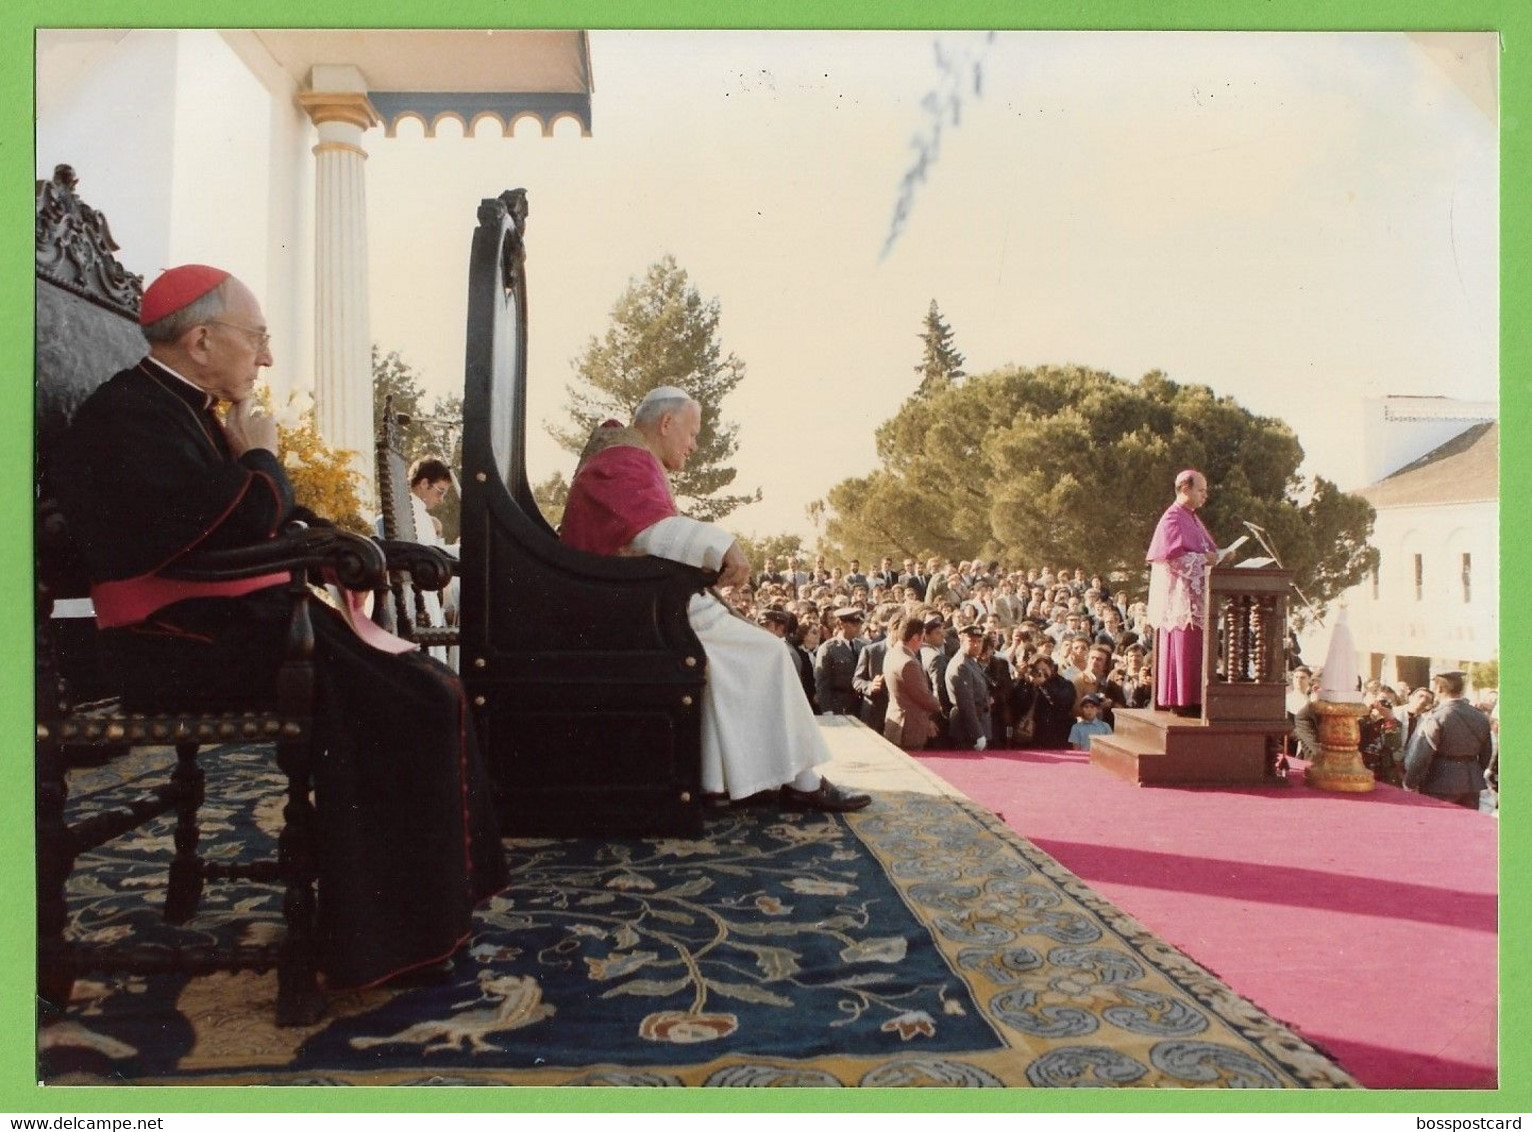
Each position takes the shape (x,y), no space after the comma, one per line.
(193,157)
(1433,602)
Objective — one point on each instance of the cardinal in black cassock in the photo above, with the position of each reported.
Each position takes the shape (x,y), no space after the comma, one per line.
(408,841)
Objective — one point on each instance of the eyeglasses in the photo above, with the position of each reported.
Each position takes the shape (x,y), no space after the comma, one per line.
(259,337)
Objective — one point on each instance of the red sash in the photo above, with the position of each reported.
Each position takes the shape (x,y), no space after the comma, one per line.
(132,600)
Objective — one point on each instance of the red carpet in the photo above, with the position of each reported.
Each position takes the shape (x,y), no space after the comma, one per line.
(1367,922)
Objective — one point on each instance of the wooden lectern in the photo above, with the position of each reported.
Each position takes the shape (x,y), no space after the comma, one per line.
(1244,694)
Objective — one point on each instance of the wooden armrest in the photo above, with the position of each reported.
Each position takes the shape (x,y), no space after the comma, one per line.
(696,577)
(429,567)
(629,569)
(350,560)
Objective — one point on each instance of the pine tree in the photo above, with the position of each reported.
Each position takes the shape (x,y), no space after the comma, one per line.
(663,333)
(394,377)
(941,363)
(552,496)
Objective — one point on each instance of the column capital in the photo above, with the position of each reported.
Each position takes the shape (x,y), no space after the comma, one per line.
(350,107)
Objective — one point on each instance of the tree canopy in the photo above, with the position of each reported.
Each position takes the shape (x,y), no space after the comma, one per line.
(760,550)
(1068,466)
(662,332)
(552,496)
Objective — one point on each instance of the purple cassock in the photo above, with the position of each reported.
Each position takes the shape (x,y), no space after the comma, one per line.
(1177,603)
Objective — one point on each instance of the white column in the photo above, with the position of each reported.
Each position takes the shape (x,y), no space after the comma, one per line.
(340,111)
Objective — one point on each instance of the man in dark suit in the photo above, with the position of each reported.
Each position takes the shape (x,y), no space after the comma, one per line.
(868,678)
(770,575)
(933,662)
(783,625)
(1002,681)
(1096,679)
(1304,740)
(912,580)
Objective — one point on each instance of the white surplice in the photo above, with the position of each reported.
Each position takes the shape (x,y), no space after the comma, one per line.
(758,731)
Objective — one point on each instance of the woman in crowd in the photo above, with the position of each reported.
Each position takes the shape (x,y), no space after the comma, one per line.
(1053,711)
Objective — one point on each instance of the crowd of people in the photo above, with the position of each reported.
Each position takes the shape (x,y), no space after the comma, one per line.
(1008,656)
(1035,658)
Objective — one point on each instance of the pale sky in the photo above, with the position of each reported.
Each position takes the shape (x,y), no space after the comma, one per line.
(1297,220)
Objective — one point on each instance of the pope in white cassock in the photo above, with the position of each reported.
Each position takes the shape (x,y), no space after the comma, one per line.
(758,733)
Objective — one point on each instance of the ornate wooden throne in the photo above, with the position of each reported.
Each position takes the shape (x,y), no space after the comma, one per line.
(87,328)
(584,673)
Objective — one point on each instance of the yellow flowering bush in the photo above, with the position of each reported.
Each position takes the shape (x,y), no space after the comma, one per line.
(324,479)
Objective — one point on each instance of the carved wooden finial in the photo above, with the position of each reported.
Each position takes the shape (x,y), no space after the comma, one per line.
(75,247)
(513,250)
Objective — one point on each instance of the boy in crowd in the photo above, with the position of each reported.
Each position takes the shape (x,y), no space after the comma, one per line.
(1089,723)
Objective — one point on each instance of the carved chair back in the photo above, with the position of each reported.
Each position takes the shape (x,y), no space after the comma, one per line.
(406,609)
(585,674)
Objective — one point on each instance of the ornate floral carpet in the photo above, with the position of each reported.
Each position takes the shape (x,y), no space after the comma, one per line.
(916,943)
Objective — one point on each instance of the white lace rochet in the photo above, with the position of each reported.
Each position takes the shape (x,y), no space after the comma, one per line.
(1177,592)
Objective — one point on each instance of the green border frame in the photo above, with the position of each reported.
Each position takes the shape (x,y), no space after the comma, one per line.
(18,1090)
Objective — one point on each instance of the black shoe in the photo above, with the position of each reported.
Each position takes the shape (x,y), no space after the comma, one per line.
(759,798)
(828,799)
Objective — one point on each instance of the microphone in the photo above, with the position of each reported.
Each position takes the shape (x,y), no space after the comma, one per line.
(1260,537)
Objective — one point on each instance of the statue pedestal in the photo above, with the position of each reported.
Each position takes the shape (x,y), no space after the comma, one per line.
(1339,765)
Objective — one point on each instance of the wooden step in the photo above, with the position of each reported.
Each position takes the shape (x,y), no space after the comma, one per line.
(1121,755)
(1147,725)
(1187,753)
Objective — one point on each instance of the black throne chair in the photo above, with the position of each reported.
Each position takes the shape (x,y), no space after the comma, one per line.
(585,676)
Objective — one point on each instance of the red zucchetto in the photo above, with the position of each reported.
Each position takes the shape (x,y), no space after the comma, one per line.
(177,288)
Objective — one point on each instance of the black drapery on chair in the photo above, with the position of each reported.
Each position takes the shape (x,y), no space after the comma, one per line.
(585,675)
